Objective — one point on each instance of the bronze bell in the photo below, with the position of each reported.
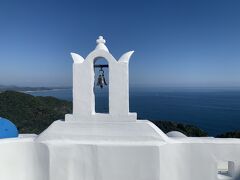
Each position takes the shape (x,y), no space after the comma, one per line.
(101,79)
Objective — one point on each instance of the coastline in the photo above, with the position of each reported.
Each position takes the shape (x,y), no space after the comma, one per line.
(47,90)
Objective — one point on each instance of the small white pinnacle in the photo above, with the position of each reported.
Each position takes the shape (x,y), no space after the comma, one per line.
(101,44)
(101,40)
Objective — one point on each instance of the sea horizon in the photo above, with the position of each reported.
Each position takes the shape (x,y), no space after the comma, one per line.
(214,110)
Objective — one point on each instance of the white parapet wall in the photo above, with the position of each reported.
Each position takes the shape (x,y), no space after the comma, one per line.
(124,150)
(23,159)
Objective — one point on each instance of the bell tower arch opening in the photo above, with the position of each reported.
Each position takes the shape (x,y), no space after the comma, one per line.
(101,85)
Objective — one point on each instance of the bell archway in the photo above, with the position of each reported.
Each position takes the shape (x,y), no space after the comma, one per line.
(83,86)
(101,85)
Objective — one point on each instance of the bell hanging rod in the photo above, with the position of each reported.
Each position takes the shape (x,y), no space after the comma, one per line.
(101,66)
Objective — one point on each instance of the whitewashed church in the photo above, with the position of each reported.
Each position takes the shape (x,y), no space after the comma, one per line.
(114,145)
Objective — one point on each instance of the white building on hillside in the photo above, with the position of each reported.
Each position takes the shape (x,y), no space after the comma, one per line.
(113,146)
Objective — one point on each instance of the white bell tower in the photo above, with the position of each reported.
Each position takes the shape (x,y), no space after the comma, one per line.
(83,87)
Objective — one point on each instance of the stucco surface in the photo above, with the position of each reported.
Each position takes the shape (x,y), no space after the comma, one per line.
(76,151)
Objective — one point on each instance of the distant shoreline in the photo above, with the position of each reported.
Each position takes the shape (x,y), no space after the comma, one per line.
(46,90)
(31,89)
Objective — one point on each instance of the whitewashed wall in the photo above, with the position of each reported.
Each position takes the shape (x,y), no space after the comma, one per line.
(185,159)
(23,159)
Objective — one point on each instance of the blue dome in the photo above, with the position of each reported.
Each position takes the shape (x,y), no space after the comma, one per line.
(7,129)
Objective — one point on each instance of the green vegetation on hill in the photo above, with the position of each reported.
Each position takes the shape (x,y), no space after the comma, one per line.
(188,130)
(234,134)
(34,114)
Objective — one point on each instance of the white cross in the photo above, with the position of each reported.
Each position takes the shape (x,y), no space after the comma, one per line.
(101,40)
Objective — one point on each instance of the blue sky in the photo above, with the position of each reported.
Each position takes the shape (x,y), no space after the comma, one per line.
(177,43)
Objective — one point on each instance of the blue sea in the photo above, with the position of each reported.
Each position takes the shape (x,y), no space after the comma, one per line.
(215,110)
